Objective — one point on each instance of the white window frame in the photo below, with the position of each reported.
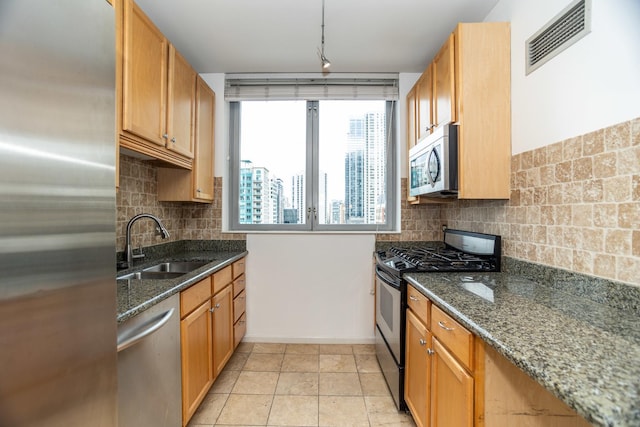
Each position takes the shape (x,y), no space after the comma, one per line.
(312,176)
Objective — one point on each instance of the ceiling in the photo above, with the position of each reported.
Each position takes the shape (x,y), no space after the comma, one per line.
(283,36)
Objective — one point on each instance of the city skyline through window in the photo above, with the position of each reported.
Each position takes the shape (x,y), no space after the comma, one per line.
(277,144)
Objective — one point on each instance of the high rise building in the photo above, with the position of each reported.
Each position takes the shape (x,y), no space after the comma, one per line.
(353,173)
(365,170)
(261,196)
(374,167)
(298,195)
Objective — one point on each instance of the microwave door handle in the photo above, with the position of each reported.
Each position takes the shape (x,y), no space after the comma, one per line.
(432,152)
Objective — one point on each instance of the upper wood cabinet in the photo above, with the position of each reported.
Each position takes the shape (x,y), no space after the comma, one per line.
(412,113)
(156,91)
(444,87)
(471,87)
(195,185)
(483,105)
(424,95)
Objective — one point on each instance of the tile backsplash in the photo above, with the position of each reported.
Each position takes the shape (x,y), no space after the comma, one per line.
(138,194)
(574,205)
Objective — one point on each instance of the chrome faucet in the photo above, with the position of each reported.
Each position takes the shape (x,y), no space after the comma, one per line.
(164,233)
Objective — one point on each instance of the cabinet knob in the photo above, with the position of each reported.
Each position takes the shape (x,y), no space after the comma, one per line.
(198,190)
(217,306)
(422,342)
(413,298)
(212,309)
(165,136)
(173,139)
(430,352)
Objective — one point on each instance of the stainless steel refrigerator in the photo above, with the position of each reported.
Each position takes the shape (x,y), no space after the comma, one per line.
(57,214)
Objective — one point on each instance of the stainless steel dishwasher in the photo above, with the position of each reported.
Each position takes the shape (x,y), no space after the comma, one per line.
(149,370)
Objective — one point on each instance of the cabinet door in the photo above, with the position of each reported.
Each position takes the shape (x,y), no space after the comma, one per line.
(197,366)
(417,370)
(144,94)
(412,108)
(204,142)
(425,104)
(451,390)
(180,112)
(444,84)
(222,328)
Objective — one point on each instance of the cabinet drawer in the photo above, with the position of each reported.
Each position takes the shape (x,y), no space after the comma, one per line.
(453,335)
(238,285)
(238,268)
(239,304)
(221,279)
(195,295)
(419,304)
(239,329)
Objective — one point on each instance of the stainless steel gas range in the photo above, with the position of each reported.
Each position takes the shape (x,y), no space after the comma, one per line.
(460,251)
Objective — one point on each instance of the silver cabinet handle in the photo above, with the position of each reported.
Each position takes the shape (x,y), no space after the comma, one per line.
(212,309)
(134,335)
(430,352)
(173,139)
(422,342)
(443,326)
(165,136)
(217,305)
(412,298)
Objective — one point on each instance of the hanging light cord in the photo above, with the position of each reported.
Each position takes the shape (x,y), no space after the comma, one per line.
(325,61)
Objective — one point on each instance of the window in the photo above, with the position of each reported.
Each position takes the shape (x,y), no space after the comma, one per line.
(312,165)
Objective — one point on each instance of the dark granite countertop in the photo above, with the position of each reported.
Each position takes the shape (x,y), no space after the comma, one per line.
(586,352)
(136,296)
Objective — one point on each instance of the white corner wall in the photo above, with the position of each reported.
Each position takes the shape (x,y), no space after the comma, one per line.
(593,84)
(311,288)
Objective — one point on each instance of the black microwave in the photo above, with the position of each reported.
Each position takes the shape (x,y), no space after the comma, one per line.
(433,164)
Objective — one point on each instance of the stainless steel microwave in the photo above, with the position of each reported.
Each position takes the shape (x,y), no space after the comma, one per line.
(433,164)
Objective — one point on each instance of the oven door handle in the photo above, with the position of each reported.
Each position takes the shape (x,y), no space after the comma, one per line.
(387,278)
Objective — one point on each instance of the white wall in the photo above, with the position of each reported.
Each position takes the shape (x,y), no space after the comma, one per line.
(310,288)
(593,84)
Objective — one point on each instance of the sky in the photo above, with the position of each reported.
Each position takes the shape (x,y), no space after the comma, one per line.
(273,135)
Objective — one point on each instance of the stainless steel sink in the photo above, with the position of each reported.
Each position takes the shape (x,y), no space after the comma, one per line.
(165,270)
(176,266)
(150,275)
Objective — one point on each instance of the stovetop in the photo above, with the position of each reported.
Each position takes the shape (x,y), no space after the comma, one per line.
(461,251)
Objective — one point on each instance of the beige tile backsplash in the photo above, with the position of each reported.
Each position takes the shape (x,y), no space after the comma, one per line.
(574,204)
(138,194)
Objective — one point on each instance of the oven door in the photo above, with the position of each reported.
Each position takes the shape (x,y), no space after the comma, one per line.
(388,311)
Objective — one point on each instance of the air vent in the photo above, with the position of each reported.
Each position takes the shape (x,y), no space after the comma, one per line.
(566,28)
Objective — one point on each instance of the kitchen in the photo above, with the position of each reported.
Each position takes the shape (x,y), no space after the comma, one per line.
(563,113)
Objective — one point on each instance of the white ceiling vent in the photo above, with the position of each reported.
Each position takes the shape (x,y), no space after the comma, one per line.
(566,28)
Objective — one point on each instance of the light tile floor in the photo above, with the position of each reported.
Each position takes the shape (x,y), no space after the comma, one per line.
(300,385)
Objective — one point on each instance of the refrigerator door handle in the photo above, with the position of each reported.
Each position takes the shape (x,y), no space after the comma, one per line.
(134,335)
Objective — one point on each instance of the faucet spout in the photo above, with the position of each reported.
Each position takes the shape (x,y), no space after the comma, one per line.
(164,233)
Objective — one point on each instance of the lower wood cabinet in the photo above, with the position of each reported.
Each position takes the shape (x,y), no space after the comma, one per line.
(208,334)
(222,319)
(418,368)
(452,399)
(196,345)
(439,379)
(239,302)
(452,379)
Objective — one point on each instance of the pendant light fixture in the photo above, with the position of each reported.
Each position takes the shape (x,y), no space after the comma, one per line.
(325,62)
